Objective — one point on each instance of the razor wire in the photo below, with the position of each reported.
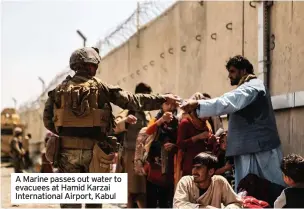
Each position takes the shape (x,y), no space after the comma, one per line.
(146,12)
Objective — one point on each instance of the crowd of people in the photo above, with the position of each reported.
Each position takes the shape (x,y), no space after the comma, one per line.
(177,140)
(182,157)
(192,161)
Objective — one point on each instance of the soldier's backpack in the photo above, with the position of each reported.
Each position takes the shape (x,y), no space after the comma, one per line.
(77,106)
(143,144)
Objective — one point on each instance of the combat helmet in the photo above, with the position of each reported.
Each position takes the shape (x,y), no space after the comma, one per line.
(84,55)
(17,130)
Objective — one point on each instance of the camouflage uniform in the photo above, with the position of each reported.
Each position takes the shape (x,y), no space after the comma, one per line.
(17,151)
(75,158)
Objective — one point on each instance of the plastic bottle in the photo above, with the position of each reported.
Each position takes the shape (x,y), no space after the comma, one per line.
(242,194)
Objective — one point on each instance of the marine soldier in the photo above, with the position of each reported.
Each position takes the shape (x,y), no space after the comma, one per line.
(17,151)
(79,111)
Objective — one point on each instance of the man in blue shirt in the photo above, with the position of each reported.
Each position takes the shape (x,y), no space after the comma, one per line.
(253,138)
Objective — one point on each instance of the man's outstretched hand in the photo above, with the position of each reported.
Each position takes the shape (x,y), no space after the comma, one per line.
(189,105)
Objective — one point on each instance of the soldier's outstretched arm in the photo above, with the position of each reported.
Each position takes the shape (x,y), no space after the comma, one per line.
(48,113)
(136,102)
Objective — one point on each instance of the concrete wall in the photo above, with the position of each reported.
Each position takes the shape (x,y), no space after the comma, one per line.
(34,125)
(201,66)
(287,73)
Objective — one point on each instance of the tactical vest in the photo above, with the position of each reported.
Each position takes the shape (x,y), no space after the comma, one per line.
(78,109)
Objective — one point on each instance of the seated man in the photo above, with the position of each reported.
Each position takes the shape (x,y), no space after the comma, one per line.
(293,173)
(204,189)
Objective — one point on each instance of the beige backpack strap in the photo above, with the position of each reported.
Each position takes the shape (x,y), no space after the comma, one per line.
(63,95)
(58,96)
(104,102)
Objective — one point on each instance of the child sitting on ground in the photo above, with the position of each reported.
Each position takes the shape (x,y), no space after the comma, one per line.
(292,167)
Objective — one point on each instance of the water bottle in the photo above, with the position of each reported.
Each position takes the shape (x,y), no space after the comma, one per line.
(242,194)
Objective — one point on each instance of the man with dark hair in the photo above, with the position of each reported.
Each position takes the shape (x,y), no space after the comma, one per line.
(129,123)
(206,95)
(143,88)
(204,189)
(293,173)
(253,137)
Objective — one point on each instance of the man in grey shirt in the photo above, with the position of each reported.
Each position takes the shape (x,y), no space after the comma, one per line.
(253,138)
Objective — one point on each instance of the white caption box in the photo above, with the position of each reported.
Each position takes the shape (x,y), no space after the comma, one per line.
(52,188)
